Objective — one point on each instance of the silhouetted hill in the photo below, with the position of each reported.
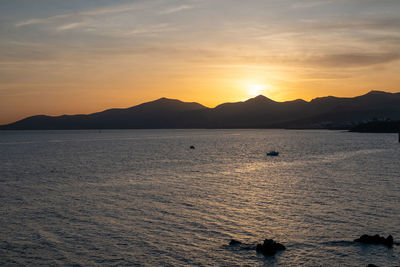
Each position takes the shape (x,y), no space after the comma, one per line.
(161,113)
(344,112)
(259,112)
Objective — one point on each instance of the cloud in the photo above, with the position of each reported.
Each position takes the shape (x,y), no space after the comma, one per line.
(152,29)
(176,9)
(354,59)
(377,23)
(317,41)
(42,20)
(310,4)
(69,26)
(92,12)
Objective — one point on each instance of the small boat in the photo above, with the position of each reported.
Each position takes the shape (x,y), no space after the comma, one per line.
(273,153)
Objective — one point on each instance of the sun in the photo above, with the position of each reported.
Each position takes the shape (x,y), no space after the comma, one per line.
(256,89)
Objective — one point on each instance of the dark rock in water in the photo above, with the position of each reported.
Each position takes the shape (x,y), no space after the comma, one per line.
(389,241)
(192,147)
(376,240)
(269,247)
(371,265)
(234,242)
(241,245)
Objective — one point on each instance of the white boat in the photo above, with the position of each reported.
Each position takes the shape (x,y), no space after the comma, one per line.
(273,153)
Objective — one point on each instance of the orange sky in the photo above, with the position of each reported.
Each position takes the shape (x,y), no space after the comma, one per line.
(87,57)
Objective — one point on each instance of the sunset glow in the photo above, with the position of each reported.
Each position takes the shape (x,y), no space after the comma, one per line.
(87,56)
(257,89)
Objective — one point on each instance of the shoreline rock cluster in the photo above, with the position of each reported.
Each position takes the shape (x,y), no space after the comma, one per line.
(270,247)
(376,240)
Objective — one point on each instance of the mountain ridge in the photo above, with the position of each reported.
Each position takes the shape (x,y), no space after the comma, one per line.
(328,112)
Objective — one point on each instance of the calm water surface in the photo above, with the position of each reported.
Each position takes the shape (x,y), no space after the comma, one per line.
(142,197)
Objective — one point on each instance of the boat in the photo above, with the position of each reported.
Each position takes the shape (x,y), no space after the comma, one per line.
(273,153)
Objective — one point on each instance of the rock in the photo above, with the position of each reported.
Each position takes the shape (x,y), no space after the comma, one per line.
(234,242)
(192,147)
(389,241)
(240,245)
(376,240)
(371,265)
(269,247)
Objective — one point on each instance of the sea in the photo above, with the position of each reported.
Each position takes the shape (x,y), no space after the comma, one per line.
(144,198)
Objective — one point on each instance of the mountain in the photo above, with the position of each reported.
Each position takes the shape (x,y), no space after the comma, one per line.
(259,112)
(334,112)
(161,113)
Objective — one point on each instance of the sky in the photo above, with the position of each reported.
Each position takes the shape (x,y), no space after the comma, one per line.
(82,56)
